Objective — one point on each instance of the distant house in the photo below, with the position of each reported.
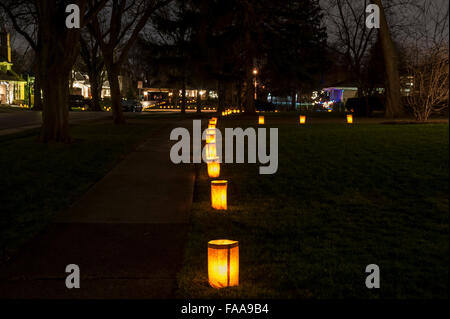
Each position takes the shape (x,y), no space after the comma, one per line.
(12,86)
(341,93)
(82,86)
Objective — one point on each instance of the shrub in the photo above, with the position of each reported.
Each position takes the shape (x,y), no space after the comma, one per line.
(359,105)
(262,105)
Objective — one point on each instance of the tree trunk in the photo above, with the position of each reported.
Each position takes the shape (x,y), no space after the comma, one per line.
(95,93)
(394,107)
(37,93)
(183,90)
(366,101)
(176,94)
(71,80)
(221,90)
(199,103)
(37,86)
(55,115)
(249,102)
(57,50)
(363,94)
(116,97)
(240,96)
(249,84)
(183,96)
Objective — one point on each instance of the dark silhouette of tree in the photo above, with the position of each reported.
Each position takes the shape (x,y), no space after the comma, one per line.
(394,107)
(93,62)
(230,39)
(42,24)
(350,36)
(216,44)
(116,28)
(295,47)
(172,46)
(284,42)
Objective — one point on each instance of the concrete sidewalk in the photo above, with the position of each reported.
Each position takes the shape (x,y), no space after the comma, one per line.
(14,122)
(126,233)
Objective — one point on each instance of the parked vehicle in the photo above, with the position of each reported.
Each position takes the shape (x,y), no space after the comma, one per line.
(76,100)
(131,106)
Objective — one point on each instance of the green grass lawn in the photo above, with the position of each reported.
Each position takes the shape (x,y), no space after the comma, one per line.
(343,197)
(39,180)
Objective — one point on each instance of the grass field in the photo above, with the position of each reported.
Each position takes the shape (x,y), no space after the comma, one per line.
(39,180)
(343,197)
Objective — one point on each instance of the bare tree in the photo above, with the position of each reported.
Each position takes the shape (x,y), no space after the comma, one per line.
(173,30)
(353,40)
(430,83)
(42,24)
(427,57)
(349,35)
(116,29)
(93,61)
(394,107)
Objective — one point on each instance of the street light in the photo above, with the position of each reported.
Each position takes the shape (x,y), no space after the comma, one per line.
(255,73)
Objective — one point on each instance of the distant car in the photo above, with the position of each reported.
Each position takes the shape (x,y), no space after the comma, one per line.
(131,106)
(76,100)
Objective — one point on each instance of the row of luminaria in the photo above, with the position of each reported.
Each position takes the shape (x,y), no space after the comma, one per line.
(223,254)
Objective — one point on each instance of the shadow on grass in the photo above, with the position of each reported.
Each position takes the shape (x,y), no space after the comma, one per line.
(39,180)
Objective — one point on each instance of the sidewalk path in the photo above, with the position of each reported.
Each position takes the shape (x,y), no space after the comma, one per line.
(126,233)
(13,122)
